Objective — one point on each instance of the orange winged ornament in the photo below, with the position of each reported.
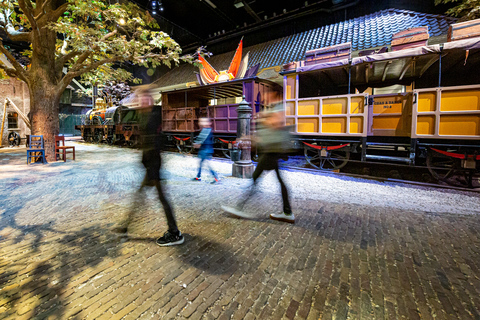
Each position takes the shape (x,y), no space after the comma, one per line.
(236,70)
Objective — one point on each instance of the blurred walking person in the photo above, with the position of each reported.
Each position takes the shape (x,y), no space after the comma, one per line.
(273,139)
(204,143)
(152,144)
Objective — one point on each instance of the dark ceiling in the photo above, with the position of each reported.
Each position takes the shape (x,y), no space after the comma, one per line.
(220,24)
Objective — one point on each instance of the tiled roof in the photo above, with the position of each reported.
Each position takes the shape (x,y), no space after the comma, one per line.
(370,31)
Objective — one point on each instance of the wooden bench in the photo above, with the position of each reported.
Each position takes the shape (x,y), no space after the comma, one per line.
(62,150)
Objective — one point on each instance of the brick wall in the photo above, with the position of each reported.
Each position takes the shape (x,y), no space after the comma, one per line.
(17,91)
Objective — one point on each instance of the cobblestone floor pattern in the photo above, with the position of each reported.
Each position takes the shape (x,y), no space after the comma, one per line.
(371,257)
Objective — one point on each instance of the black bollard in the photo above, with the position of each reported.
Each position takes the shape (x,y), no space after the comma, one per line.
(243,168)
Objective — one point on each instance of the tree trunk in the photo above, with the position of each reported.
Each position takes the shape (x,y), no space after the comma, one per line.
(44,102)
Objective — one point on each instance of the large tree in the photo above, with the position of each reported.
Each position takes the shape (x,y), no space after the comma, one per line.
(71,38)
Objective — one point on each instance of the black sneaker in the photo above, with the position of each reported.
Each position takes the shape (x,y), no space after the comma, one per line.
(170,239)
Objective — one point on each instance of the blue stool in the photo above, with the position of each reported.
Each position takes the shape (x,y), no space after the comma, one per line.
(36,149)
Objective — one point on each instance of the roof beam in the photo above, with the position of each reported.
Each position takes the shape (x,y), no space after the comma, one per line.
(243,3)
(385,70)
(405,68)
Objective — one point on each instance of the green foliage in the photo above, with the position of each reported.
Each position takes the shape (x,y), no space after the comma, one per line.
(95,35)
(463,9)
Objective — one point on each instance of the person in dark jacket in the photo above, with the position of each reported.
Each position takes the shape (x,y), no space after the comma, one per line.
(152,144)
(204,142)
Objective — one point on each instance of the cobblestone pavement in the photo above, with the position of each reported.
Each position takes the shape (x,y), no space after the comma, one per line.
(341,260)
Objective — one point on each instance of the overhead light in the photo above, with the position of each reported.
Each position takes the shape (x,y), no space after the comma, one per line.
(211,4)
(154,12)
(154,4)
(238,3)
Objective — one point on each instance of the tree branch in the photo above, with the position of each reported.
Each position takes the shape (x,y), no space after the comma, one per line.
(9,29)
(84,69)
(58,12)
(79,63)
(15,35)
(11,72)
(21,73)
(27,10)
(41,11)
(64,58)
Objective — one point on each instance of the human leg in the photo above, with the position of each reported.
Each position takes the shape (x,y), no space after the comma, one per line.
(285,198)
(199,174)
(286,215)
(172,224)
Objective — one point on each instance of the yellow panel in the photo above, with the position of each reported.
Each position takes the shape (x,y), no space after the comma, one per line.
(357,105)
(356,125)
(386,123)
(334,106)
(309,125)
(290,108)
(462,100)
(427,101)
(290,121)
(426,125)
(334,125)
(460,125)
(388,104)
(290,90)
(308,108)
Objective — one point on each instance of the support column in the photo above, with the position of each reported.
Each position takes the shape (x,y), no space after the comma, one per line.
(244,167)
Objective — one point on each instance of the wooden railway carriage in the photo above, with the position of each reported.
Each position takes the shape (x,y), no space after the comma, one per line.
(416,105)
(181,109)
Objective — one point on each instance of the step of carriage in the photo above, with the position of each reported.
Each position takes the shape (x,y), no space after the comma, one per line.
(388,146)
(388,158)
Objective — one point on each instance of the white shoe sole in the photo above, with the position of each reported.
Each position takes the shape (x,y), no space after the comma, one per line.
(237,213)
(171,243)
(283,218)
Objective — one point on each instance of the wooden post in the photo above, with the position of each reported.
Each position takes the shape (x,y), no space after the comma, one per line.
(3,121)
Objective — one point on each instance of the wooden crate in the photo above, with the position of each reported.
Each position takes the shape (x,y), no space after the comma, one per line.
(464,30)
(410,38)
(328,54)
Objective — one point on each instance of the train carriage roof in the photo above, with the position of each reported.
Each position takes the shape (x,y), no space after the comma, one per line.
(221,90)
(403,66)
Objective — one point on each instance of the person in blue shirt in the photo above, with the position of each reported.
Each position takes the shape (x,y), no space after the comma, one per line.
(204,143)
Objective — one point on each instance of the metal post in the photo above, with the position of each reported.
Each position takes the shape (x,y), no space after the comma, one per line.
(440,66)
(244,167)
(349,74)
(94,96)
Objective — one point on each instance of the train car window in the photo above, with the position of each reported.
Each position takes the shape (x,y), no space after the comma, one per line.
(12,118)
(318,84)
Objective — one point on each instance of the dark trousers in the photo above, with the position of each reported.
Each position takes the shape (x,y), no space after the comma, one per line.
(268,161)
(152,162)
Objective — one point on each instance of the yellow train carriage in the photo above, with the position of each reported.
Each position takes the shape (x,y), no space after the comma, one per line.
(395,108)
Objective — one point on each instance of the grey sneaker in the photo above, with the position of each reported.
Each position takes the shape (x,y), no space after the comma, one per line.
(290,218)
(237,212)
